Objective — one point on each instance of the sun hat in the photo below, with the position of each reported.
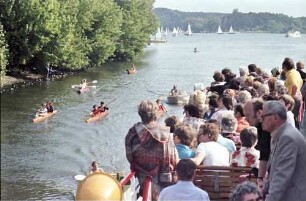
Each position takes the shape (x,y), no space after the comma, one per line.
(229,124)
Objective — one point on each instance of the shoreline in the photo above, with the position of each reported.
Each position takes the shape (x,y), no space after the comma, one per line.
(7,80)
(14,81)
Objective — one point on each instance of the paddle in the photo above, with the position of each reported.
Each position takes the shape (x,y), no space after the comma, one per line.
(110,102)
(79,177)
(92,82)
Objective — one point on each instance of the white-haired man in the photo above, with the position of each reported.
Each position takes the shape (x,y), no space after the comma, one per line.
(287,162)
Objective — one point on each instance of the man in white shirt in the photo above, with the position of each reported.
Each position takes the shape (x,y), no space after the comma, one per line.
(184,189)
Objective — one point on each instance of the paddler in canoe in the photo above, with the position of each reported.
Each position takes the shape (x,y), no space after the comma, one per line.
(94,111)
(132,69)
(95,168)
(42,111)
(45,112)
(49,107)
(174,91)
(161,107)
(83,86)
(102,107)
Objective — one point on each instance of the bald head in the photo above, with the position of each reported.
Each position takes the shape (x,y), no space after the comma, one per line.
(250,114)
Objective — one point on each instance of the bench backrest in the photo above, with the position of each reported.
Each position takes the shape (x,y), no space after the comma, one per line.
(219,181)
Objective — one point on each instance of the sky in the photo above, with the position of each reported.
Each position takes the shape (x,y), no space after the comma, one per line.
(294,8)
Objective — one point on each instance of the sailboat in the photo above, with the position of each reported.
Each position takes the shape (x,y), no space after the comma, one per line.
(220,30)
(188,33)
(157,38)
(231,31)
(174,32)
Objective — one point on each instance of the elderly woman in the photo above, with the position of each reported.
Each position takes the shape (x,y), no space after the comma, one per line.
(229,126)
(243,96)
(209,151)
(192,117)
(198,99)
(245,191)
(147,144)
(184,140)
(247,156)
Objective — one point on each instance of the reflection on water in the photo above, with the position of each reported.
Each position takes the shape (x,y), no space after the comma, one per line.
(38,161)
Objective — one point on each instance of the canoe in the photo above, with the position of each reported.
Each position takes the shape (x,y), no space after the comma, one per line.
(46,116)
(131,71)
(178,98)
(83,90)
(97,117)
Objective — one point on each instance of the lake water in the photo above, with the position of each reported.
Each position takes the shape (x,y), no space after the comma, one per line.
(38,161)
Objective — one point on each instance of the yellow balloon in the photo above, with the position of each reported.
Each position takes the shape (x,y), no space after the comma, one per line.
(99,186)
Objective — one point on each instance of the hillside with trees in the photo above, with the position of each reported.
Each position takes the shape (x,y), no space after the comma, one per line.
(242,22)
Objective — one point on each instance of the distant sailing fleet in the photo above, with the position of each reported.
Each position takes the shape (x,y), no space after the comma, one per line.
(161,34)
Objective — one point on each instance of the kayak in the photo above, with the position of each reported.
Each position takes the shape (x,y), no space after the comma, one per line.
(97,117)
(83,90)
(43,117)
(131,71)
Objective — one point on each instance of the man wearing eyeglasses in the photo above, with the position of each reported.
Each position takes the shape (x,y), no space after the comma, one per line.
(287,162)
(252,111)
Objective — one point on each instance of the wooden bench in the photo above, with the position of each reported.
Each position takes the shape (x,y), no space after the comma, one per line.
(220,181)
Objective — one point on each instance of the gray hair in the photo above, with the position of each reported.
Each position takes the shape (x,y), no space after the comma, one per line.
(263,89)
(276,107)
(243,189)
(243,71)
(244,96)
(147,111)
(229,124)
(280,89)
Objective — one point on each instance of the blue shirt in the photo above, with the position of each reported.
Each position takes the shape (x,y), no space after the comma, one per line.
(227,143)
(184,151)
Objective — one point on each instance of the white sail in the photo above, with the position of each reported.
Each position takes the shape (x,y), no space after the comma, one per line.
(231,31)
(220,30)
(166,31)
(158,35)
(157,38)
(189,32)
(174,32)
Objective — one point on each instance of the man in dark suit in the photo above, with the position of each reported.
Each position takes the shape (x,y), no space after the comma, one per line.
(287,163)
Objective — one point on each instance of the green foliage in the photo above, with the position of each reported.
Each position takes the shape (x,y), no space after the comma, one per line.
(75,34)
(105,30)
(138,23)
(3,52)
(209,22)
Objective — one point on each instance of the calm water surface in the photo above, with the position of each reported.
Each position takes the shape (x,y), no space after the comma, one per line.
(38,161)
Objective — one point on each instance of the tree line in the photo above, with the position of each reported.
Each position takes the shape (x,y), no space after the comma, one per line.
(243,22)
(73,34)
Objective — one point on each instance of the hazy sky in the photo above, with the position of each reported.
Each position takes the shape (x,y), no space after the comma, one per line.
(295,8)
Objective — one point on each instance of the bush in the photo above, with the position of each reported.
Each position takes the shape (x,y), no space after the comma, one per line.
(3,52)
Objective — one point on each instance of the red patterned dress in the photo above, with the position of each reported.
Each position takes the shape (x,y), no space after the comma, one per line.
(245,157)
